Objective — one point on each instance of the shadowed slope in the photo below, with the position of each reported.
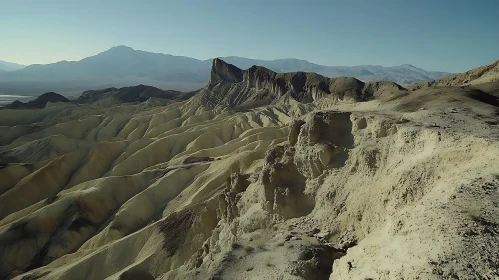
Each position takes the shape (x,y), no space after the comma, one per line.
(39,103)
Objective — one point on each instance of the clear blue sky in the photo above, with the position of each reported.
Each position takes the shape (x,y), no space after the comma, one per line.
(447,35)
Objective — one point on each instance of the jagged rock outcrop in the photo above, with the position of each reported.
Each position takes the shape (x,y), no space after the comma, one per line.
(232,87)
(319,143)
(222,71)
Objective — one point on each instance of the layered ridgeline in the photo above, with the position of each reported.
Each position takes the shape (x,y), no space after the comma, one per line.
(123,66)
(259,175)
(105,97)
(232,87)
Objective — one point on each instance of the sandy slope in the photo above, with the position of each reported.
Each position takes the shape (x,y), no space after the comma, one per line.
(484,74)
(403,186)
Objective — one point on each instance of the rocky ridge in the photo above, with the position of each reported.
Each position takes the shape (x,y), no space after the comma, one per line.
(232,87)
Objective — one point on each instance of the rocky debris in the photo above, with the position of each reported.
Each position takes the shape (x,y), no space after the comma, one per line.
(316,262)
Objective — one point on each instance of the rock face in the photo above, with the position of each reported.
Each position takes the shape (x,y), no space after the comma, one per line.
(224,72)
(321,142)
(230,86)
(39,103)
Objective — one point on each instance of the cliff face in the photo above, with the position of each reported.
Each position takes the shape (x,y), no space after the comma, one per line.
(230,86)
(222,71)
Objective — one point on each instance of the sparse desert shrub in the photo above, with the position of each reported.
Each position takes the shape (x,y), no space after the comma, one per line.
(260,243)
(475,212)
(248,249)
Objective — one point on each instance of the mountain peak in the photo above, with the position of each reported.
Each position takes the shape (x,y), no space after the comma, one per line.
(120,49)
(223,71)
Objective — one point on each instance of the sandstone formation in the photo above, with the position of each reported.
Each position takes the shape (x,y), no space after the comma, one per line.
(259,175)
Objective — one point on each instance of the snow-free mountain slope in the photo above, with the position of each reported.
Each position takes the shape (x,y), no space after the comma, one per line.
(484,74)
(9,66)
(123,66)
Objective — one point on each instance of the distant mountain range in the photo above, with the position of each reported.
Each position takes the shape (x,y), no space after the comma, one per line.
(9,66)
(403,74)
(124,66)
(230,86)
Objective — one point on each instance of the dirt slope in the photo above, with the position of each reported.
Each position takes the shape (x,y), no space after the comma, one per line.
(484,74)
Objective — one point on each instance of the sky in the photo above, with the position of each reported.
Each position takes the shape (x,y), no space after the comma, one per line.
(444,35)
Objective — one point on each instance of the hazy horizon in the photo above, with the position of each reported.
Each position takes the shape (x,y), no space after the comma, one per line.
(227,56)
(452,36)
